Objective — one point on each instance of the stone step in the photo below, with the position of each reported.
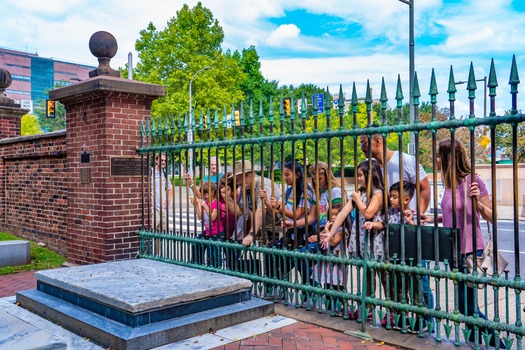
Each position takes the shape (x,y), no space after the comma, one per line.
(16,334)
(115,335)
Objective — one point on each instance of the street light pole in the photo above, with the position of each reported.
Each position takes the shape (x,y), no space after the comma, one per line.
(412,71)
(484,80)
(190,121)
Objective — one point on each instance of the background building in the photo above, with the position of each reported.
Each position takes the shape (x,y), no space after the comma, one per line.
(34,75)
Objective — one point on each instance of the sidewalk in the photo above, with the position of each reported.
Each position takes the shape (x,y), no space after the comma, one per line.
(300,335)
(10,284)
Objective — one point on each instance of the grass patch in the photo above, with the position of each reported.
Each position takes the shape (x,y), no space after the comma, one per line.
(40,258)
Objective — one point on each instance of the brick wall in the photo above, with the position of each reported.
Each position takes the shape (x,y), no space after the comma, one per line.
(33,200)
(45,195)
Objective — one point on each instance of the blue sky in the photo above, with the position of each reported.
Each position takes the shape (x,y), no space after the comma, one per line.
(304,41)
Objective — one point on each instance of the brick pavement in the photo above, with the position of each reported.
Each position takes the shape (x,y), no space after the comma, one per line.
(304,336)
(10,284)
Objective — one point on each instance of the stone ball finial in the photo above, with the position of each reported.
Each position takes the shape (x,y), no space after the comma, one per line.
(5,79)
(5,82)
(103,46)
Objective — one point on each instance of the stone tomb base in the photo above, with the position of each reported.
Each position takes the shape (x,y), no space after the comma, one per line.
(140,303)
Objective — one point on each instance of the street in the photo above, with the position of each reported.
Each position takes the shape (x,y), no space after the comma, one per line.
(506,243)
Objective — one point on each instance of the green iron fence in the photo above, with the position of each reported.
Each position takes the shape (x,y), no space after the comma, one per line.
(419,262)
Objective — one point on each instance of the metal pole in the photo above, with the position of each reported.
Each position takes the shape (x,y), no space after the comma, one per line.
(412,71)
(190,121)
(130,66)
(412,146)
(485,97)
(484,80)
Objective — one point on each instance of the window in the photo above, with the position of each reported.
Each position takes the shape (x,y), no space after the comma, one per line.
(18,92)
(20,77)
(17,65)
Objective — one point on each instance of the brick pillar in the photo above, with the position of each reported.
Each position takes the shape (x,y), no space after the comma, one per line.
(10,115)
(10,112)
(104,212)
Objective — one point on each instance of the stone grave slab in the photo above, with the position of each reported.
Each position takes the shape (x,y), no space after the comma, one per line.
(141,303)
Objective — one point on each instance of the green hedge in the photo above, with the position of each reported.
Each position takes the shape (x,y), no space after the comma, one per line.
(277,173)
(349,171)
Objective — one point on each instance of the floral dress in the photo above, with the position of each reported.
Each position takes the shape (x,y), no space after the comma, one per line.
(330,273)
(376,242)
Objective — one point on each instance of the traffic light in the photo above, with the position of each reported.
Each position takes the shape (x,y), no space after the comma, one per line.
(237,114)
(287,103)
(50,109)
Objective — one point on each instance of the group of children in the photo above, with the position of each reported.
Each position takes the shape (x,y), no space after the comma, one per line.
(305,214)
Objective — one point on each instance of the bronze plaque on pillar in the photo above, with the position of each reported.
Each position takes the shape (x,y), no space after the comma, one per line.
(127,166)
(85,175)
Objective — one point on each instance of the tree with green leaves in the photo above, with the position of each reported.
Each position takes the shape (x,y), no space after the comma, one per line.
(29,125)
(504,137)
(191,41)
(50,124)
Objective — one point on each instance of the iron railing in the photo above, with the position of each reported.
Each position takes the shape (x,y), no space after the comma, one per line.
(417,258)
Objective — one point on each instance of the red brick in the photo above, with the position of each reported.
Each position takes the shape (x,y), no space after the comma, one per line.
(275,340)
(329,340)
(346,346)
(250,342)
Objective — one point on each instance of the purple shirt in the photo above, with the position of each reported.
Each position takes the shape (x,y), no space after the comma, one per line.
(465,237)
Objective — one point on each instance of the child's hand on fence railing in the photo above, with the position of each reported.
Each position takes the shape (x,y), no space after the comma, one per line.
(188,179)
(474,191)
(248,240)
(409,216)
(288,224)
(369,225)
(326,236)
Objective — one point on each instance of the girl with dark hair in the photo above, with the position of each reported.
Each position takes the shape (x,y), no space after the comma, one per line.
(296,207)
(370,182)
(368,200)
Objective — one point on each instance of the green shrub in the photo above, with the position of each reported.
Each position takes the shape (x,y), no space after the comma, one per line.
(349,171)
(277,173)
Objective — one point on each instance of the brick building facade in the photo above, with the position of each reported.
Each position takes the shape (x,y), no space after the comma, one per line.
(33,75)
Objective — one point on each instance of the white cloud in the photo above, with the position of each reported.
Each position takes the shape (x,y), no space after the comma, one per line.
(470,30)
(283,35)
